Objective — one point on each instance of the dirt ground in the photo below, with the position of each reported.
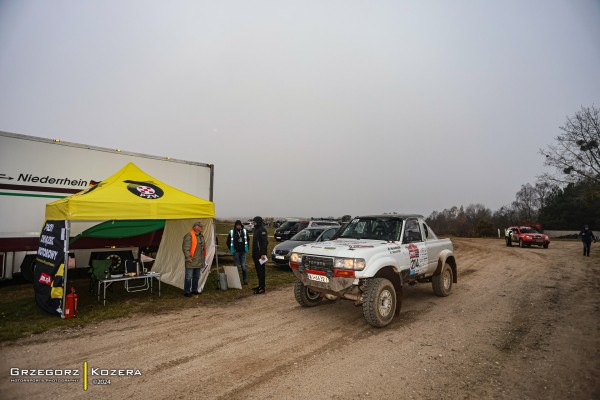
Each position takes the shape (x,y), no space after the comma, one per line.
(520,324)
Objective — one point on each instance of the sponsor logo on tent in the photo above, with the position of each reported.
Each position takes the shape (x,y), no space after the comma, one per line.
(49,267)
(146,190)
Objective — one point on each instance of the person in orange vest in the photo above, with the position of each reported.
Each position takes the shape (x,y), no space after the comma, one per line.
(194,252)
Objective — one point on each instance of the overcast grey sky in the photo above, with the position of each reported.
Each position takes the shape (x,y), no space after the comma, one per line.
(310,108)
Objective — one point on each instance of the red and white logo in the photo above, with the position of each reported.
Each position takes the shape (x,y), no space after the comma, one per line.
(45,279)
(413,251)
(146,190)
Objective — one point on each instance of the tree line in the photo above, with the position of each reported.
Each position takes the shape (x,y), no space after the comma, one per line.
(565,199)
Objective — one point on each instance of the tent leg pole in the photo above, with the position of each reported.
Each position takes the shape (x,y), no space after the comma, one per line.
(66,267)
(216,254)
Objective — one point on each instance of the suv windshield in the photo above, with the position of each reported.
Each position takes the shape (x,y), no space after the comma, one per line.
(288,224)
(373,228)
(307,235)
(528,230)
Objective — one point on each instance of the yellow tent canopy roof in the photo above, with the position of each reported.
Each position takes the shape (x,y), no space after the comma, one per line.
(130,194)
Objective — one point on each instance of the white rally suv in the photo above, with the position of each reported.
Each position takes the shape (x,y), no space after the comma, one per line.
(370,260)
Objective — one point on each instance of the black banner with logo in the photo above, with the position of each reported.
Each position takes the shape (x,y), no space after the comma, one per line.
(49,267)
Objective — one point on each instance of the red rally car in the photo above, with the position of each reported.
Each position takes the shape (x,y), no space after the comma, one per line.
(526,236)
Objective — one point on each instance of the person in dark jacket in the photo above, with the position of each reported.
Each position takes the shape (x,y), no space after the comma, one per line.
(586,237)
(259,252)
(237,243)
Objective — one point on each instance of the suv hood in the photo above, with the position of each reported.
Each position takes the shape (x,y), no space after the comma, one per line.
(351,248)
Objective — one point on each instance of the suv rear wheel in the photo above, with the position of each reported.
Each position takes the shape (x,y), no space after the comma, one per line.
(442,283)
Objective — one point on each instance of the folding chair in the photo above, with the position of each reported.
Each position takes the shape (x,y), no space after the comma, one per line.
(98,271)
(147,262)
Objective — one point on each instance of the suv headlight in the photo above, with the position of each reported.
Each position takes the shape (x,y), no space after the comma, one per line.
(356,264)
(296,258)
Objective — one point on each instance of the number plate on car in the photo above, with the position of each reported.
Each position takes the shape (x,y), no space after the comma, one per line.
(318,278)
(280,257)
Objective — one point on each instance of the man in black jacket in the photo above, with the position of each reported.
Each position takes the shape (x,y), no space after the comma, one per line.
(586,237)
(259,252)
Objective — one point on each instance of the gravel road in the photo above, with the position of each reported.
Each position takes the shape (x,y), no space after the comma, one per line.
(520,323)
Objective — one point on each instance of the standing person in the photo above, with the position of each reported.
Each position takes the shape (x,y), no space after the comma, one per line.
(586,237)
(194,252)
(237,242)
(259,252)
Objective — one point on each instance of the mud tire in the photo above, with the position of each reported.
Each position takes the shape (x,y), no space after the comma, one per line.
(442,283)
(305,296)
(379,304)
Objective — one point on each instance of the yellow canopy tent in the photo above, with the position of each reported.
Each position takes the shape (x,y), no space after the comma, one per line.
(132,194)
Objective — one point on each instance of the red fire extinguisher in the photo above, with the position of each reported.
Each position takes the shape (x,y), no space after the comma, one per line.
(71,304)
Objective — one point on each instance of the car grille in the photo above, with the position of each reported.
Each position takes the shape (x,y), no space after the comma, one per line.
(316,263)
(282,252)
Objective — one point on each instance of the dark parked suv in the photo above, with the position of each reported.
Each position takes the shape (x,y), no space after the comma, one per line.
(290,227)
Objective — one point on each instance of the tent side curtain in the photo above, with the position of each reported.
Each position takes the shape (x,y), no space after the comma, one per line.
(170,261)
(123,228)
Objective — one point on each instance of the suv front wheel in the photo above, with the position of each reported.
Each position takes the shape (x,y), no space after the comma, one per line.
(379,304)
(305,296)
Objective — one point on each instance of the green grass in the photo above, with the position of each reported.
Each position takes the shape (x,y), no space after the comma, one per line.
(20,316)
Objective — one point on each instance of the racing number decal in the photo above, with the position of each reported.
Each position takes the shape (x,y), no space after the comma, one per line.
(417,254)
(413,255)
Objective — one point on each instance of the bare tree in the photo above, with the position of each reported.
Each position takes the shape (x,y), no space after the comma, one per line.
(526,203)
(543,190)
(577,151)
(505,216)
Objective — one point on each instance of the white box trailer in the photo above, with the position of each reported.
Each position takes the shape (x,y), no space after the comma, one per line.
(35,171)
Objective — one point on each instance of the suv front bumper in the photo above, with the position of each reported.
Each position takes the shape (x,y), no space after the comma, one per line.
(325,284)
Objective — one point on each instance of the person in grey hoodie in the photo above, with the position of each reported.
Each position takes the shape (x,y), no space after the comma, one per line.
(259,252)
(237,243)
